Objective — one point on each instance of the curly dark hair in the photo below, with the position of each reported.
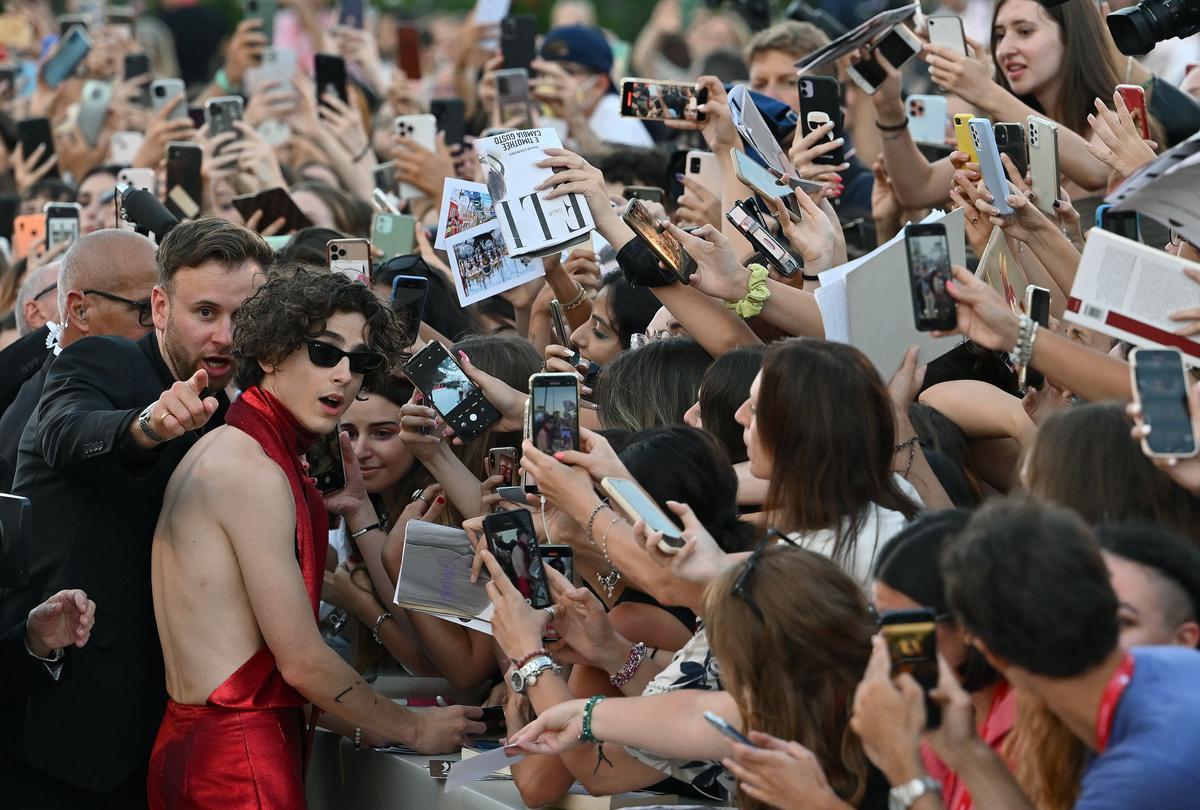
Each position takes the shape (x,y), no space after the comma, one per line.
(295,303)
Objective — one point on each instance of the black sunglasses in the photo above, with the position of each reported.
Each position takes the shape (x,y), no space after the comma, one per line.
(739,585)
(327,356)
(143,307)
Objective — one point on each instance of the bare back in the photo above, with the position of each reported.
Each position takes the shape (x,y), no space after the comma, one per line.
(206,623)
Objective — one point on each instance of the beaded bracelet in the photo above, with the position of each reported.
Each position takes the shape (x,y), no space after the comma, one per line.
(525,659)
(608,580)
(591,520)
(587,736)
(637,654)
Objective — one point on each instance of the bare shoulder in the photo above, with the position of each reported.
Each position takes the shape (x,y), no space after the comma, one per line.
(233,467)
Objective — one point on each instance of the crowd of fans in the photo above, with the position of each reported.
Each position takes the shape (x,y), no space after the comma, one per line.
(181,606)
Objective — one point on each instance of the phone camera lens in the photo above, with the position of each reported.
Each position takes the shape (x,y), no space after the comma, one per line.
(502,84)
(695,166)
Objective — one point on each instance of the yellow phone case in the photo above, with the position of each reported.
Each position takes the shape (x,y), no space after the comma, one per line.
(962,136)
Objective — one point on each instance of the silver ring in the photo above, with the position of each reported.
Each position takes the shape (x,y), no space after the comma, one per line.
(550,610)
(419,495)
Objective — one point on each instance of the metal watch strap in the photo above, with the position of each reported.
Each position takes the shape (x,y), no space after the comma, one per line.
(901,797)
(527,675)
(144,425)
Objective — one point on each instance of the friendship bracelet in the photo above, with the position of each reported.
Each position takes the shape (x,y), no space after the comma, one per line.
(637,654)
(523,660)
(365,529)
(364,152)
(882,127)
(383,617)
(587,736)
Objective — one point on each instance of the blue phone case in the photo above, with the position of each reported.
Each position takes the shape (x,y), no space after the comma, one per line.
(989,163)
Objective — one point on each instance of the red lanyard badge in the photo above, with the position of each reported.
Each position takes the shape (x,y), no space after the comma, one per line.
(1116,687)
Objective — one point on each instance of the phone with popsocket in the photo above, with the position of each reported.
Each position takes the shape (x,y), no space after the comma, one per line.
(449,391)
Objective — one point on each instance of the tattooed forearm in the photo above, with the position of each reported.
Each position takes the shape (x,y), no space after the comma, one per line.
(342,694)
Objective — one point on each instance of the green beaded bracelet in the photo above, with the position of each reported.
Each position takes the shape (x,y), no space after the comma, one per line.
(587,735)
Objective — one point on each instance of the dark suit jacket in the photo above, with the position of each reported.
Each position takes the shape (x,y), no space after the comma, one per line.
(19,361)
(20,672)
(14,420)
(96,497)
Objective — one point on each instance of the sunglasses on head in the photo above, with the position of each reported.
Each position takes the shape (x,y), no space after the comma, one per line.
(739,585)
(327,355)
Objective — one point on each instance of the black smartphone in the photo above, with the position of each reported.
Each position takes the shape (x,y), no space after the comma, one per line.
(72,49)
(34,131)
(911,636)
(184,185)
(821,103)
(274,203)
(1160,388)
(408,299)
(562,335)
(221,112)
(10,206)
(138,64)
(561,559)
(743,216)
(1122,223)
(1010,140)
(928,252)
(504,462)
(513,542)
(331,77)
(451,393)
(1037,307)
(451,115)
(662,100)
(554,411)
(325,462)
(661,244)
(350,14)
(651,193)
(518,40)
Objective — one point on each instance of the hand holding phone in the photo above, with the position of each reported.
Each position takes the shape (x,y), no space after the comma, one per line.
(928,252)
(911,637)
(513,542)
(1160,386)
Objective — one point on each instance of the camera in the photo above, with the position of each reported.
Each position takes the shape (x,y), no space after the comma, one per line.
(1137,29)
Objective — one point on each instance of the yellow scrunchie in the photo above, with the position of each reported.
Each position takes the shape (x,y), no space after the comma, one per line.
(756,294)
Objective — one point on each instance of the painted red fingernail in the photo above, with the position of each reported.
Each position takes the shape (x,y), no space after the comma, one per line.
(418,396)
(463,356)
(439,500)
(559,455)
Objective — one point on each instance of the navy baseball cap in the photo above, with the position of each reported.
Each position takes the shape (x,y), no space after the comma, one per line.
(580,44)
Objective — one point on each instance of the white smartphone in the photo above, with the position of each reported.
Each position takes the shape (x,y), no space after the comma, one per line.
(162,91)
(927,116)
(423,130)
(124,146)
(947,30)
(1043,162)
(93,109)
(144,179)
(1160,388)
(984,140)
(635,504)
(704,169)
(278,65)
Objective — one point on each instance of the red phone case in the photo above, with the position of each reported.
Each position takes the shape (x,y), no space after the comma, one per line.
(1135,101)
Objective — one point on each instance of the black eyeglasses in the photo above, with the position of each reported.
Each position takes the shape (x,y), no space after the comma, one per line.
(326,355)
(48,289)
(739,585)
(143,306)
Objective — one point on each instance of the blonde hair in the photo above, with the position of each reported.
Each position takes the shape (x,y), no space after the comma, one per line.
(1045,756)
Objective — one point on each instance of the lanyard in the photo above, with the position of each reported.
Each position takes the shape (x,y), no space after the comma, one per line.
(1116,687)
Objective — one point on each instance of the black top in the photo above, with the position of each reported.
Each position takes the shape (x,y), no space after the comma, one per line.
(13,422)
(19,361)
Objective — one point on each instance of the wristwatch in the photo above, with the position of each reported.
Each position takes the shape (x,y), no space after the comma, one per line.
(144,425)
(525,677)
(901,797)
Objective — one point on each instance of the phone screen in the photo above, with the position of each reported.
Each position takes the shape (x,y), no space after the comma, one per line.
(331,76)
(636,504)
(928,273)
(870,72)
(911,637)
(561,559)
(513,543)
(896,48)
(1038,308)
(62,225)
(503,462)
(440,379)
(325,462)
(1123,223)
(554,413)
(763,241)
(661,101)
(408,298)
(665,247)
(1159,376)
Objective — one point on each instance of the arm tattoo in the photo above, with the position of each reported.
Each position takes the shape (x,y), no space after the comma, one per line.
(341,694)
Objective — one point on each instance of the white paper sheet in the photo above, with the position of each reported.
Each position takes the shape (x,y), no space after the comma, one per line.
(466,771)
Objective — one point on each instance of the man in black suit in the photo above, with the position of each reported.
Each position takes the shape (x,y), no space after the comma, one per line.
(104,289)
(34,653)
(19,361)
(114,420)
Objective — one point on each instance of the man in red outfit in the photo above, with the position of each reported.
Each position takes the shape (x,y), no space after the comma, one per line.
(239,553)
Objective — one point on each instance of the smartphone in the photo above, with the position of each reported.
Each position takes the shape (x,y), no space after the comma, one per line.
(72,49)
(662,100)
(927,118)
(666,247)
(1037,307)
(350,14)
(962,136)
(263,10)
(29,232)
(62,223)
(184,185)
(120,19)
(1122,223)
(449,114)
(325,462)
(928,252)
(513,104)
(868,74)
(162,91)
(651,193)
(136,65)
(722,725)
(742,217)
(423,130)
(947,30)
(67,21)
(1160,388)
(384,175)
(1010,140)
(554,411)
(408,50)
(139,178)
(1043,163)
(898,46)
(351,258)
(503,461)
(562,335)
(451,393)
(561,559)
(513,542)
(34,131)
(703,167)
(820,103)
(331,77)
(496,726)
(518,40)
(93,109)
(628,498)
(394,234)
(984,140)
(124,146)
(1135,101)
(278,66)
(275,203)
(762,182)
(408,297)
(220,114)
(911,636)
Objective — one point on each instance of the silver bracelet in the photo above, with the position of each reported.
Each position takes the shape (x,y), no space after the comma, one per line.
(383,617)
(1022,353)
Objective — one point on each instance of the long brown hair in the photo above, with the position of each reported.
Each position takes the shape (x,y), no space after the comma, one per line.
(1091,66)
(1045,756)
(826,421)
(793,674)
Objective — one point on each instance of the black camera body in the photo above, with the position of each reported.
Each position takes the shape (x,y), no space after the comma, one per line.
(1137,29)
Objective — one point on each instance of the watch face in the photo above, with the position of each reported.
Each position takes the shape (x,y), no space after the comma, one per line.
(516,681)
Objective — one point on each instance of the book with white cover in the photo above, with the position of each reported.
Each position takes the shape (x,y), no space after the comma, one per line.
(1128,290)
(435,572)
(532,225)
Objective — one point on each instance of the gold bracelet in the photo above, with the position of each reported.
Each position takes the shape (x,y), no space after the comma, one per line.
(577,301)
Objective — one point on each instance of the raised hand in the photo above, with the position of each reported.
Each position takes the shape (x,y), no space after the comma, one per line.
(349,498)
(178,409)
(983,316)
(554,731)
(1121,147)
(718,271)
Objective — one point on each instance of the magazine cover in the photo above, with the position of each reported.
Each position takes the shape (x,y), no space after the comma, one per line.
(482,267)
(465,205)
(531,225)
